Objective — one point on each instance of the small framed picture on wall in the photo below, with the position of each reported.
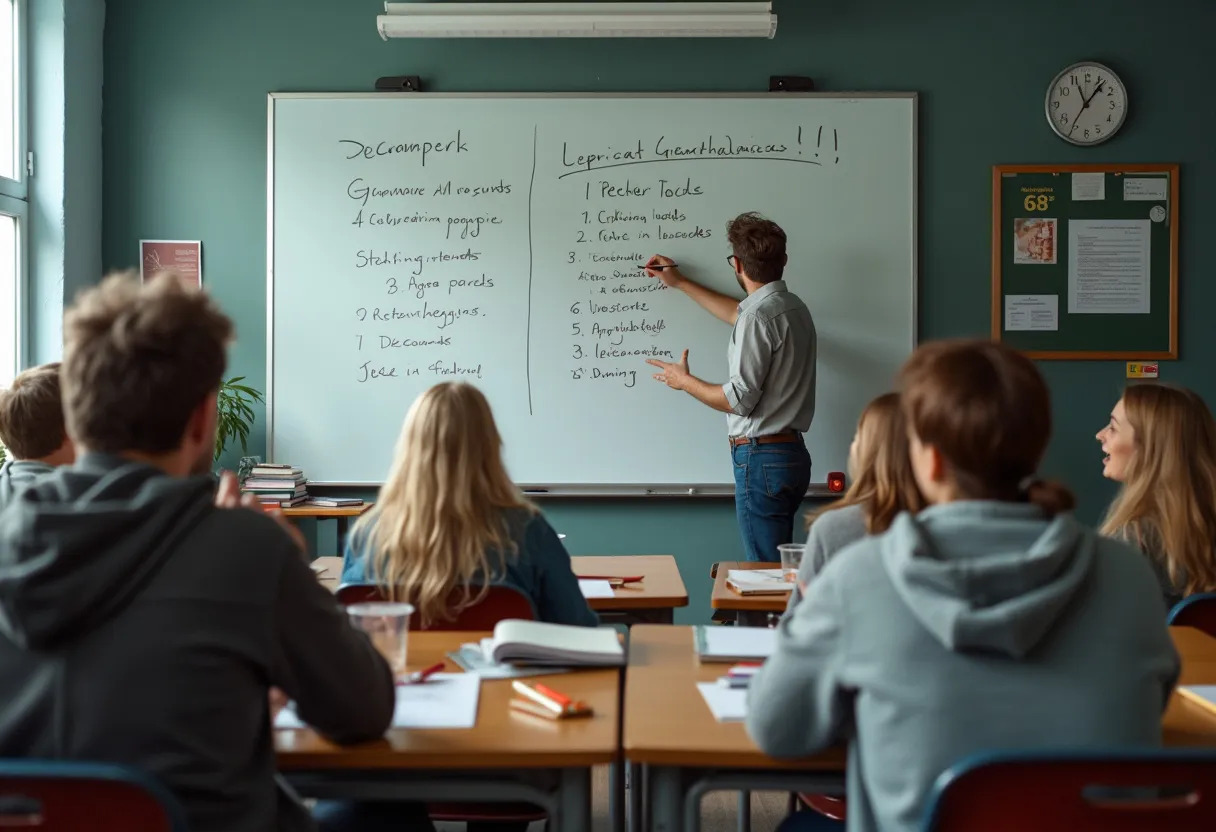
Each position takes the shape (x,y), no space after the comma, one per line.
(183,258)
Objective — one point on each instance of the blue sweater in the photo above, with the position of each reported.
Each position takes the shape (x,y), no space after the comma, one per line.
(540,569)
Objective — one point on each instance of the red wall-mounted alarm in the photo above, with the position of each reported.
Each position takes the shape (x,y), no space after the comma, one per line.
(836,482)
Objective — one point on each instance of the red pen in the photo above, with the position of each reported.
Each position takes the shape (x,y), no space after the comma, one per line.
(419,676)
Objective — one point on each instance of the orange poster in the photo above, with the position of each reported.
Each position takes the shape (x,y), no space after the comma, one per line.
(182,257)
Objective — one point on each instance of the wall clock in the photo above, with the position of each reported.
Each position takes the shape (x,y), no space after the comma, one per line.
(1086,103)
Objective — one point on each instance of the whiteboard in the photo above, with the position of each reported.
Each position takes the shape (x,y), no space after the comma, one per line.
(494,239)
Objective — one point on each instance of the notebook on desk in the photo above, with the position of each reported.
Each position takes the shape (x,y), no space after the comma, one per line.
(734,644)
(758,582)
(538,643)
(1202,695)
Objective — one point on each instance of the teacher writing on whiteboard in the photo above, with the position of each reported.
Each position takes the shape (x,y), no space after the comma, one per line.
(769,397)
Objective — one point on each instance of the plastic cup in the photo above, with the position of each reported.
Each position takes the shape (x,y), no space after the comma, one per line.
(388,627)
(791,560)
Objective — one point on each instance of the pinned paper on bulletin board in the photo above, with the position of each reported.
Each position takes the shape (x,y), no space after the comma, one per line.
(1140,369)
(182,257)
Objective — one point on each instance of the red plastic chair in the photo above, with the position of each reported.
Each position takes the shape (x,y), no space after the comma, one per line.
(1198,611)
(826,805)
(62,796)
(499,603)
(1074,792)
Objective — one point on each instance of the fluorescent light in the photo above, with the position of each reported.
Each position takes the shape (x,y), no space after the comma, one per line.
(577,20)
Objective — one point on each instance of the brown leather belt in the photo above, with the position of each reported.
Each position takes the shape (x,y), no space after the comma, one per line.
(788,436)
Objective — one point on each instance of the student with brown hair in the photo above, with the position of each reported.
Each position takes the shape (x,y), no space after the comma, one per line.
(991,619)
(769,397)
(140,623)
(31,429)
(1160,443)
(883,486)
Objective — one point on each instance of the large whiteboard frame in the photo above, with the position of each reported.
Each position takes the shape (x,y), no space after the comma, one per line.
(568,490)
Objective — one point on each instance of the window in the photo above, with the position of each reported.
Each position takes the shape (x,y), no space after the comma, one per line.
(13,204)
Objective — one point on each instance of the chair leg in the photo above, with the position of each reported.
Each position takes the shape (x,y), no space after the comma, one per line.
(745,812)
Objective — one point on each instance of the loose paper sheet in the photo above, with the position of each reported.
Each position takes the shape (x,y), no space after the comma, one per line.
(592,588)
(1108,266)
(1032,313)
(1145,189)
(1088,186)
(445,700)
(726,704)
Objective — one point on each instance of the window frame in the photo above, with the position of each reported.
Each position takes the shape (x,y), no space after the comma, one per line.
(18,187)
(14,192)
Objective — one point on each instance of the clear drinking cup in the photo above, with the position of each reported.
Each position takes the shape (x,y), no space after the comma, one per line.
(791,560)
(388,627)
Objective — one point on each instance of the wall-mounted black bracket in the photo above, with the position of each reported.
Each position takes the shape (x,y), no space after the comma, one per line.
(399,83)
(790,83)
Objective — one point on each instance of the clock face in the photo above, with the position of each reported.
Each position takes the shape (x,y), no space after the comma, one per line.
(1086,103)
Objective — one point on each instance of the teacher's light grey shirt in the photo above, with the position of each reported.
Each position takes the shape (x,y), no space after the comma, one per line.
(772,364)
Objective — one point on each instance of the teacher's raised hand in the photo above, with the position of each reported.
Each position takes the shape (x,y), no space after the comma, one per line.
(665,269)
(674,374)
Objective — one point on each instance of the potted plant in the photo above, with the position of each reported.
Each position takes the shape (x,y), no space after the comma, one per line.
(235,414)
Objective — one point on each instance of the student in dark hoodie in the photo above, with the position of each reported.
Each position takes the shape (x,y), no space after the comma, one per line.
(991,619)
(140,623)
(31,428)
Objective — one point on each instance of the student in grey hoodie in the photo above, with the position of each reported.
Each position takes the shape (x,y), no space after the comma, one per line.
(992,619)
(140,623)
(882,486)
(31,429)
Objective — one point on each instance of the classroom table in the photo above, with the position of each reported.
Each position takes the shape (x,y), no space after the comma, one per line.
(725,598)
(653,601)
(506,757)
(341,514)
(674,745)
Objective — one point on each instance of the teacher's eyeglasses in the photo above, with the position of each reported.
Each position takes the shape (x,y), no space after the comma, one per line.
(730,258)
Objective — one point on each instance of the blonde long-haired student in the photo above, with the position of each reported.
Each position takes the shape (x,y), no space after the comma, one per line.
(1160,444)
(449,518)
(991,619)
(882,487)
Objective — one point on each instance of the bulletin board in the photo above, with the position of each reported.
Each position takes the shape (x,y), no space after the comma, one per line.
(1085,260)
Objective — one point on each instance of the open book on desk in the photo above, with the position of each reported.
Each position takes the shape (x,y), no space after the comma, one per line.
(559,645)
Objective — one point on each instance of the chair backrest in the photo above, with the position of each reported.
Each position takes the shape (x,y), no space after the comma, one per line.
(1117,791)
(499,603)
(1198,611)
(63,796)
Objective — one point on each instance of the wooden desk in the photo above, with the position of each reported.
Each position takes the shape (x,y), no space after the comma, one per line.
(686,752)
(506,757)
(653,601)
(341,514)
(725,598)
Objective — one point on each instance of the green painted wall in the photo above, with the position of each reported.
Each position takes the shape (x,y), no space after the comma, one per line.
(185,156)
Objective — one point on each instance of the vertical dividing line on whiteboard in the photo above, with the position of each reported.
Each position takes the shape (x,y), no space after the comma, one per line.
(528,348)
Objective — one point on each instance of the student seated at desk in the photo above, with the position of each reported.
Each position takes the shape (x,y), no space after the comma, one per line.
(144,625)
(990,620)
(31,428)
(1160,444)
(883,486)
(449,518)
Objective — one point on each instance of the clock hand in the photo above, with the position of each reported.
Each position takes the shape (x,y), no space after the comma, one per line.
(1085,105)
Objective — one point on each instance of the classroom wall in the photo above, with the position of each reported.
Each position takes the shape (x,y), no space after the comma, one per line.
(185,157)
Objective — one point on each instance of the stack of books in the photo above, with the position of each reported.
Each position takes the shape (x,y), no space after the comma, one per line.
(276,485)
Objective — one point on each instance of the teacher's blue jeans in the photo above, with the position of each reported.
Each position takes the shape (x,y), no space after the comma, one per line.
(770,484)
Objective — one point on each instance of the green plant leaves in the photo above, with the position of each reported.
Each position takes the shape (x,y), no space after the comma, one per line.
(236,416)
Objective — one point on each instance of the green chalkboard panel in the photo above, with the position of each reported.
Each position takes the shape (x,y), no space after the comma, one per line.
(1085,260)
